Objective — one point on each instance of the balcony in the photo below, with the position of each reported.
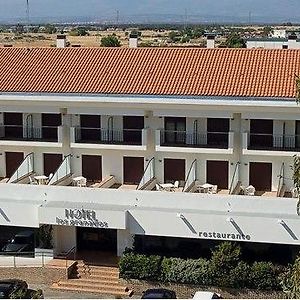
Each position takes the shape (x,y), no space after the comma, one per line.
(278,144)
(130,139)
(16,135)
(183,141)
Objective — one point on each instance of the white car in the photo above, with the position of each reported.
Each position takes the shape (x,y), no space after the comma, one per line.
(206,295)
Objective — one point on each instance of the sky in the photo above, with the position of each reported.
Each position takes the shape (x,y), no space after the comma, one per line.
(100,9)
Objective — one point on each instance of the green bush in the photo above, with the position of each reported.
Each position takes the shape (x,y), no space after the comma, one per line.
(140,266)
(191,271)
(224,269)
(263,276)
(225,258)
(290,280)
(239,276)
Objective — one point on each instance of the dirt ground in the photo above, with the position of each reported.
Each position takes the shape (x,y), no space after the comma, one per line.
(93,40)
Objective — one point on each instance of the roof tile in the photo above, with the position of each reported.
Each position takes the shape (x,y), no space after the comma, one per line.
(150,71)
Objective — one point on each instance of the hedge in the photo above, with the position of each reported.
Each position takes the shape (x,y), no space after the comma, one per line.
(224,269)
(192,271)
(139,266)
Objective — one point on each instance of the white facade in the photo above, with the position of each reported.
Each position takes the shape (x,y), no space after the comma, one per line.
(265,218)
(279,33)
(273,43)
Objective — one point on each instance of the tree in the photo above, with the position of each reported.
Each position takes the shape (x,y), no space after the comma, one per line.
(110,41)
(49,28)
(234,41)
(174,36)
(267,30)
(296,162)
(19,29)
(80,31)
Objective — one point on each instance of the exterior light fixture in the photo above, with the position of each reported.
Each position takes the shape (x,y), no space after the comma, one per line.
(181,216)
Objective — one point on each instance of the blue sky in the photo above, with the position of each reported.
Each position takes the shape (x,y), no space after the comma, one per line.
(101,8)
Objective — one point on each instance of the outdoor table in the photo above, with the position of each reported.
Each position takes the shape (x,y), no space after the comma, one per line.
(78,180)
(167,186)
(41,179)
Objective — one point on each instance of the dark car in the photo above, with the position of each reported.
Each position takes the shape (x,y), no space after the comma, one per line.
(10,287)
(158,294)
(21,242)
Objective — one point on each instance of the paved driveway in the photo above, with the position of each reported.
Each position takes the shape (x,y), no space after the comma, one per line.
(56,294)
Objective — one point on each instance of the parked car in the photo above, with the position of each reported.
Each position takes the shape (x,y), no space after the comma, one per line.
(158,294)
(206,295)
(11,287)
(21,242)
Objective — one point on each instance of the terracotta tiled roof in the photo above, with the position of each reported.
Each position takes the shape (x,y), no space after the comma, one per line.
(150,71)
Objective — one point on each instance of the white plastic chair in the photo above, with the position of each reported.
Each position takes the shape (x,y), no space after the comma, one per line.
(158,187)
(213,190)
(250,190)
(83,182)
(32,181)
(176,184)
(294,193)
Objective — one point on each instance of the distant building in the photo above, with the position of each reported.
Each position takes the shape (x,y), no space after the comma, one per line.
(292,42)
(278,33)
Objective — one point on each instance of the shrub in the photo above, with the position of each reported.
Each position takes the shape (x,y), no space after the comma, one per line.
(225,258)
(239,276)
(140,266)
(110,41)
(38,294)
(191,271)
(263,276)
(290,280)
(224,269)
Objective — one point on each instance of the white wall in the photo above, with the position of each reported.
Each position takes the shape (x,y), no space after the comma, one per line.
(64,238)
(136,211)
(124,240)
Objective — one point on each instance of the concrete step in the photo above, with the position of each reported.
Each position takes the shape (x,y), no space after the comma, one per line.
(99,277)
(98,268)
(98,272)
(112,281)
(84,284)
(106,291)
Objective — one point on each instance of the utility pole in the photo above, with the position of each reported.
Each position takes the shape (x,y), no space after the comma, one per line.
(118,16)
(27,12)
(185,18)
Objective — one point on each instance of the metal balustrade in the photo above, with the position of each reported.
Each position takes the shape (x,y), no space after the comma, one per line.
(106,136)
(23,133)
(275,142)
(193,139)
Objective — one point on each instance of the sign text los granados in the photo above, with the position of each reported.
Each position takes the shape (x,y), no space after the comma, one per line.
(81,217)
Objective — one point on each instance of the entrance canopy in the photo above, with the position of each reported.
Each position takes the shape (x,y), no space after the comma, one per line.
(19,213)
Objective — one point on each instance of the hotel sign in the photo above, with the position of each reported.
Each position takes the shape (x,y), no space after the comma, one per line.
(224,236)
(82,218)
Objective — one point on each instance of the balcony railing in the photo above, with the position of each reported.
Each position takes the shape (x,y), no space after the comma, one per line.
(23,133)
(106,136)
(273,142)
(198,140)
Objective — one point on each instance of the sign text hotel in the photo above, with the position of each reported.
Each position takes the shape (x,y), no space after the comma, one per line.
(82,218)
